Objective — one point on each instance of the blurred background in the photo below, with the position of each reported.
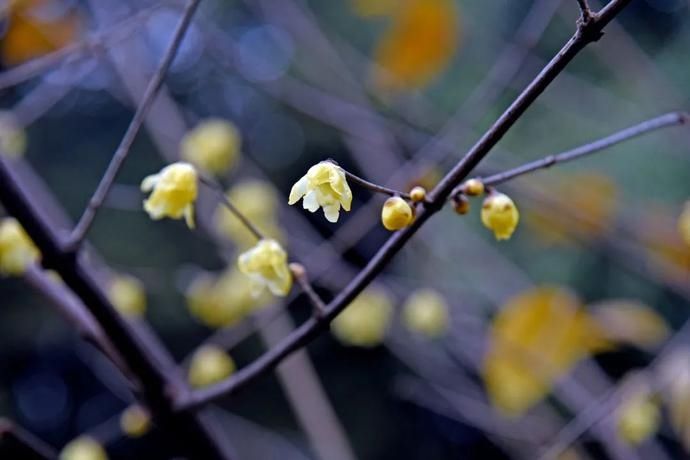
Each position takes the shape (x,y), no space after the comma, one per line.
(576,323)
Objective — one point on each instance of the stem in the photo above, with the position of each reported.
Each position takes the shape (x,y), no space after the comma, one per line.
(232,208)
(585,34)
(654,124)
(585,10)
(300,274)
(370,185)
(96,201)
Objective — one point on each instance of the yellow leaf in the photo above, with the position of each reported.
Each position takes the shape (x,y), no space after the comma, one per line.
(581,205)
(31,34)
(419,44)
(536,338)
(630,321)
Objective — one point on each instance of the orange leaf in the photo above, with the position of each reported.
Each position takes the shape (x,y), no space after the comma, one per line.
(419,44)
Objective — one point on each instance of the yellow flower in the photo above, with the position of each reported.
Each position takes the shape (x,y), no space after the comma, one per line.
(258,202)
(127,295)
(426,312)
(174,192)
(638,417)
(210,364)
(17,251)
(222,301)
(537,337)
(365,321)
(684,223)
(83,448)
(630,321)
(396,214)
(135,421)
(266,265)
(324,185)
(13,138)
(500,215)
(213,145)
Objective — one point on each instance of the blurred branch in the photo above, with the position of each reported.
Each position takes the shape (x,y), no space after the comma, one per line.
(654,124)
(585,34)
(39,65)
(155,83)
(232,208)
(17,443)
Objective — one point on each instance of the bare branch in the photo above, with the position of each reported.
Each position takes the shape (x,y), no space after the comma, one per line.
(300,274)
(585,34)
(648,126)
(79,233)
(16,442)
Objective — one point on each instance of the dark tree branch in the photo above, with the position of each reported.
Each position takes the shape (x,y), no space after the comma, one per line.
(586,33)
(80,231)
(585,10)
(648,126)
(16,442)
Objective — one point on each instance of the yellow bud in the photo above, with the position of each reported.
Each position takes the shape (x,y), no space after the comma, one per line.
(127,295)
(426,312)
(210,364)
(213,145)
(500,215)
(473,187)
(174,190)
(13,138)
(364,322)
(418,194)
(684,223)
(83,448)
(396,213)
(638,418)
(135,421)
(461,204)
(17,251)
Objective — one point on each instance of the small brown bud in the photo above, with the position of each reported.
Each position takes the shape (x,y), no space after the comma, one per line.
(298,270)
(461,204)
(473,187)
(418,194)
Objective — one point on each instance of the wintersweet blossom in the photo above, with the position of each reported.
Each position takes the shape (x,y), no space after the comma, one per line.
(266,264)
(210,364)
(174,192)
(426,312)
(500,215)
(17,251)
(325,186)
(83,448)
(213,145)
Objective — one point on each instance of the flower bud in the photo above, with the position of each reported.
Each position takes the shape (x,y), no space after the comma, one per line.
(500,215)
(135,421)
(83,448)
(461,204)
(418,194)
(426,312)
(638,417)
(210,364)
(17,251)
(127,296)
(396,214)
(473,187)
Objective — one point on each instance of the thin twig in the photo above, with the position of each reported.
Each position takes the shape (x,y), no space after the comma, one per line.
(585,34)
(370,185)
(585,10)
(654,124)
(37,66)
(300,274)
(232,208)
(79,232)
(16,442)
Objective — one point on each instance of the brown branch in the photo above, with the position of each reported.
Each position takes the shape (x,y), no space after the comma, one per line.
(79,232)
(585,34)
(645,127)
(16,442)
(300,274)
(370,185)
(232,208)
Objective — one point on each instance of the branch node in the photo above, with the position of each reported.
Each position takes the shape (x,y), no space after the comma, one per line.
(300,274)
